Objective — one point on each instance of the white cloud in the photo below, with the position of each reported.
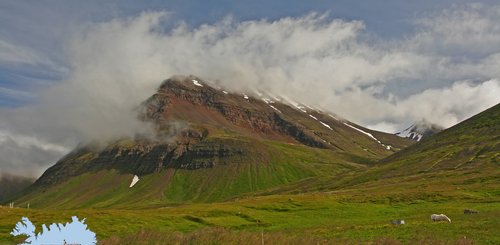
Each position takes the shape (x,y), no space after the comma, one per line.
(14,54)
(333,64)
(26,141)
(470,31)
(449,106)
(27,155)
(17,54)
(14,93)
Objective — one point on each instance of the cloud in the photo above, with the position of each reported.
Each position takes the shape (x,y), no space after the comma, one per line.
(331,63)
(14,93)
(449,106)
(10,53)
(445,106)
(27,155)
(23,71)
(22,57)
(471,31)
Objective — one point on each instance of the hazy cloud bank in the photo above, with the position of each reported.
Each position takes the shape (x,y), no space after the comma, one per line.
(444,72)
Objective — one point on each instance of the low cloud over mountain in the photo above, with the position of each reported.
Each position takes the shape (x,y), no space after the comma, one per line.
(444,71)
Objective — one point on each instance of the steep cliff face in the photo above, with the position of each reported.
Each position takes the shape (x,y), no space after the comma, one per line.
(250,140)
(144,158)
(234,111)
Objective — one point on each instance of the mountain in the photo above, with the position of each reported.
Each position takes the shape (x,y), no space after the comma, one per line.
(210,145)
(471,144)
(11,185)
(420,130)
(462,160)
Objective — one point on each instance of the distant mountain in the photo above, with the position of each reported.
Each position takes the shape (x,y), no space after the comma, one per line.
(211,144)
(463,157)
(469,144)
(11,185)
(461,161)
(420,130)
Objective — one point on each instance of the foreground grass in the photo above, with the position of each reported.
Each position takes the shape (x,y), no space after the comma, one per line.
(281,219)
(225,236)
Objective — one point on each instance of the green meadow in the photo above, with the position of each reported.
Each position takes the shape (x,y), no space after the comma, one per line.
(325,218)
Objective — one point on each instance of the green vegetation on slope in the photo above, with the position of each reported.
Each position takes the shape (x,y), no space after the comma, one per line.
(471,144)
(10,185)
(463,158)
(468,152)
(265,165)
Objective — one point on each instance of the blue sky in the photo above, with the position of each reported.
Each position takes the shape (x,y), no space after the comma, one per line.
(72,71)
(42,27)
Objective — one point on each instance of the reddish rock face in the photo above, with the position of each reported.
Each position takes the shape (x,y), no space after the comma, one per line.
(180,99)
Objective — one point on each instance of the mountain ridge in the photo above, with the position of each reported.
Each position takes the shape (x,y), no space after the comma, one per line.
(466,155)
(216,140)
(461,161)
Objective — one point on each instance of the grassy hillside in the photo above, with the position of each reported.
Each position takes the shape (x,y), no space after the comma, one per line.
(466,154)
(12,185)
(471,144)
(263,166)
(460,162)
(324,218)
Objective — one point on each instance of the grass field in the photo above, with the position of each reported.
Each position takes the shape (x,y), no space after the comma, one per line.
(308,218)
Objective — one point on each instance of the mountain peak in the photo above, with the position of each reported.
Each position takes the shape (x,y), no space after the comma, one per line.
(419,130)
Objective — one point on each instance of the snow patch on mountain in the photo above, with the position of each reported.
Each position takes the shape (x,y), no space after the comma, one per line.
(134,181)
(268,101)
(333,117)
(387,147)
(301,108)
(195,82)
(275,108)
(313,117)
(366,133)
(419,130)
(326,125)
(310,107)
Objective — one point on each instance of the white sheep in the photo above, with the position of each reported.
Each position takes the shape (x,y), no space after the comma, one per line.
(440,217)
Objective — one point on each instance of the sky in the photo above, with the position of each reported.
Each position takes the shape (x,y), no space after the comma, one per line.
(75,71)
